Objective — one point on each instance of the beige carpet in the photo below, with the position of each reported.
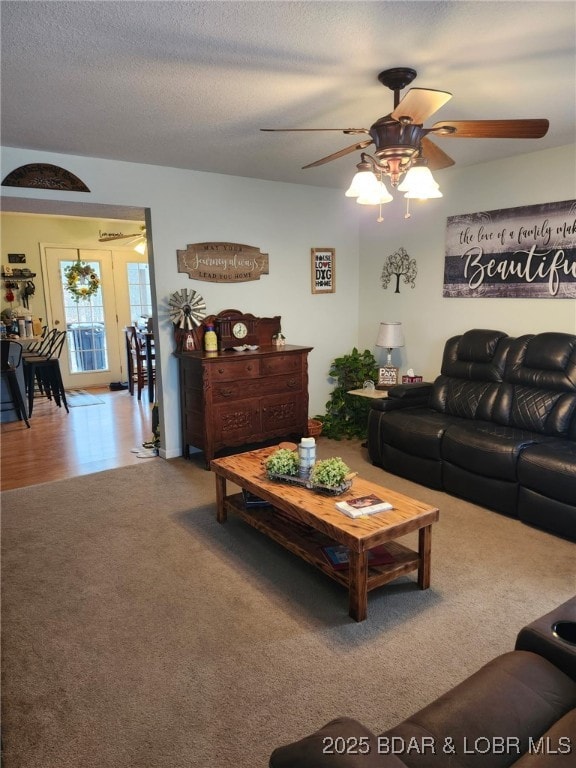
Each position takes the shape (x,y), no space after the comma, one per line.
(137,632)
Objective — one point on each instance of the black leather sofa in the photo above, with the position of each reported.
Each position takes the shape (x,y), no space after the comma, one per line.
(497,427)
(518,710)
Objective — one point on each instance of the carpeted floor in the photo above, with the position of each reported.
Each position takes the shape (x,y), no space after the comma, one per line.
(139,633)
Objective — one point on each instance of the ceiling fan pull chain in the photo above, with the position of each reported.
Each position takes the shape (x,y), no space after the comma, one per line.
(407,214)
(380,218)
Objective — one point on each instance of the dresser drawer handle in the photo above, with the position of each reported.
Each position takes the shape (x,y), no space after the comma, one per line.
(221,370)
(226,392)
(248,367)
(292,383)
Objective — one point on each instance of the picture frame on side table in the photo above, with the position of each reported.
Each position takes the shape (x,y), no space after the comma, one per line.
(323,270)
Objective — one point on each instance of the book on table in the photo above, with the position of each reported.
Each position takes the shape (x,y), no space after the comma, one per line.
(339,556)
(369,504)
(251,500)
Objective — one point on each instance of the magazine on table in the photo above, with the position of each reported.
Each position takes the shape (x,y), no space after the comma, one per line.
(363,505)
(339,556)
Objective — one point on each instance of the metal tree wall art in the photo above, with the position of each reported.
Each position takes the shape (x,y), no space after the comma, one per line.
(399,265)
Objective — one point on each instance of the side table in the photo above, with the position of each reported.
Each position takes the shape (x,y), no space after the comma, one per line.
(375,394)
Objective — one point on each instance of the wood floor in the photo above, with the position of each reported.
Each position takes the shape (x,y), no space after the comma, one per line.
(89,439)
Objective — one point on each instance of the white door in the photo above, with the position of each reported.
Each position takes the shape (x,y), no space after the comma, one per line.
(95,350)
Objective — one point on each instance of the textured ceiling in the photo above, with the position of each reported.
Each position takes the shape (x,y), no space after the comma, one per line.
(189,84)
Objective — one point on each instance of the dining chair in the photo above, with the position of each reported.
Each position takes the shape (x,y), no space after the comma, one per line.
(138,363)
(11,358)
(44,370)
(129,357)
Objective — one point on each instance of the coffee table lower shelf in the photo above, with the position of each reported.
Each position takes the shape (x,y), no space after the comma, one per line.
(307,543)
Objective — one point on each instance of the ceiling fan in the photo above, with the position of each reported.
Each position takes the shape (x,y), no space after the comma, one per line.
(107,237)
(400,139)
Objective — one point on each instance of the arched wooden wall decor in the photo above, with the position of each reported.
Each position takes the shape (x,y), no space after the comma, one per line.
(44,176)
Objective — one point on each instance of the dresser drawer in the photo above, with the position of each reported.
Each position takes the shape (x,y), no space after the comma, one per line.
(271,366)
(229,391)
(234,370)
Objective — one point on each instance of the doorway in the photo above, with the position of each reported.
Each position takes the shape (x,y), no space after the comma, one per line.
(95,350)
(97,211)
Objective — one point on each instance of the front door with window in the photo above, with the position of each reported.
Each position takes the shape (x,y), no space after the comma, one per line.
(95,352)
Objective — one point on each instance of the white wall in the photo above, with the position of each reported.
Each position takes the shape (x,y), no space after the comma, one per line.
(283,220)
(287,220)
(428,319)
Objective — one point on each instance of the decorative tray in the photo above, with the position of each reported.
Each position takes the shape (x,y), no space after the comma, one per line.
(305,483)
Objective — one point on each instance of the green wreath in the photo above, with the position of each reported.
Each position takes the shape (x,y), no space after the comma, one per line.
(81,280)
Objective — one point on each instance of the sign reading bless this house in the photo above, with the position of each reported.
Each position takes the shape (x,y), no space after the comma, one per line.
(527,252)
(222,262)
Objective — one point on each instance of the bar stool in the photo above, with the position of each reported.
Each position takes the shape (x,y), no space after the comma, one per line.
(11,357)
(45,369)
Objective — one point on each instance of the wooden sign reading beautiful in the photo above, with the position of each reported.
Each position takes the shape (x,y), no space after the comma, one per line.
(525,252)
(222,262)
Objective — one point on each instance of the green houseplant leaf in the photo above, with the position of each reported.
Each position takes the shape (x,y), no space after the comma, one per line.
(347,415)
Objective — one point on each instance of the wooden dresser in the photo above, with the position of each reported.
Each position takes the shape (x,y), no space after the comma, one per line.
(232,398)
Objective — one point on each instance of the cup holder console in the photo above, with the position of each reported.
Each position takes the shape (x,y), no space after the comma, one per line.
(565,630)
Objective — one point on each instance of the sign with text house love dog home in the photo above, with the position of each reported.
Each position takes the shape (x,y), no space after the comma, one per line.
(323,270)
(527,252)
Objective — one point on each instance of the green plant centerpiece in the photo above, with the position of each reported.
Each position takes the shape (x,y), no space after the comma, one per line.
(282,462)
(332,474)
(347,415)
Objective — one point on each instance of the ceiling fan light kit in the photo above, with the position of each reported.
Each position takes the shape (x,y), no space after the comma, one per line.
(402,146)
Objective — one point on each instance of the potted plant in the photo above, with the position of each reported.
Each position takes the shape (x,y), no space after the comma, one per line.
(282,462)
(347,415)
(331,474)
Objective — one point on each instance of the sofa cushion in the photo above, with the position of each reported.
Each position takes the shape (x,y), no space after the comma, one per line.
(539,393)
(487,449)
(477,355)
(515,697)
(417,431)
(550,469)
(465,399)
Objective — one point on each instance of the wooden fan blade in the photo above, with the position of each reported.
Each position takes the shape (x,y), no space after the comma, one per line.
(340,153)
(118,237)
(491,129)
(419,104)
(340,130)
(435,156)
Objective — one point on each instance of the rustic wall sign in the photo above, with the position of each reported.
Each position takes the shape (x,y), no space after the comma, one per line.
(222,262)
(527,252)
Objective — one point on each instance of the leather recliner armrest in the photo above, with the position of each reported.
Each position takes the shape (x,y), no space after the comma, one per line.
(543,637)
(411,391)
(404,396)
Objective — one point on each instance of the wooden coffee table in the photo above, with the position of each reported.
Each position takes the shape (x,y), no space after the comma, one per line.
(303,522)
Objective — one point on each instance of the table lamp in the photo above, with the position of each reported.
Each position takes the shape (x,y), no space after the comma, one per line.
(390,337)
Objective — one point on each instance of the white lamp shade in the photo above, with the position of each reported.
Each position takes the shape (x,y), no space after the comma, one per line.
(364,183)
(390,335)
(141,247)
(419,183)
(381,195)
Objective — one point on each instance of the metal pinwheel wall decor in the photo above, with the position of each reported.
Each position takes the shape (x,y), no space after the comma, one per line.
(187,309)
